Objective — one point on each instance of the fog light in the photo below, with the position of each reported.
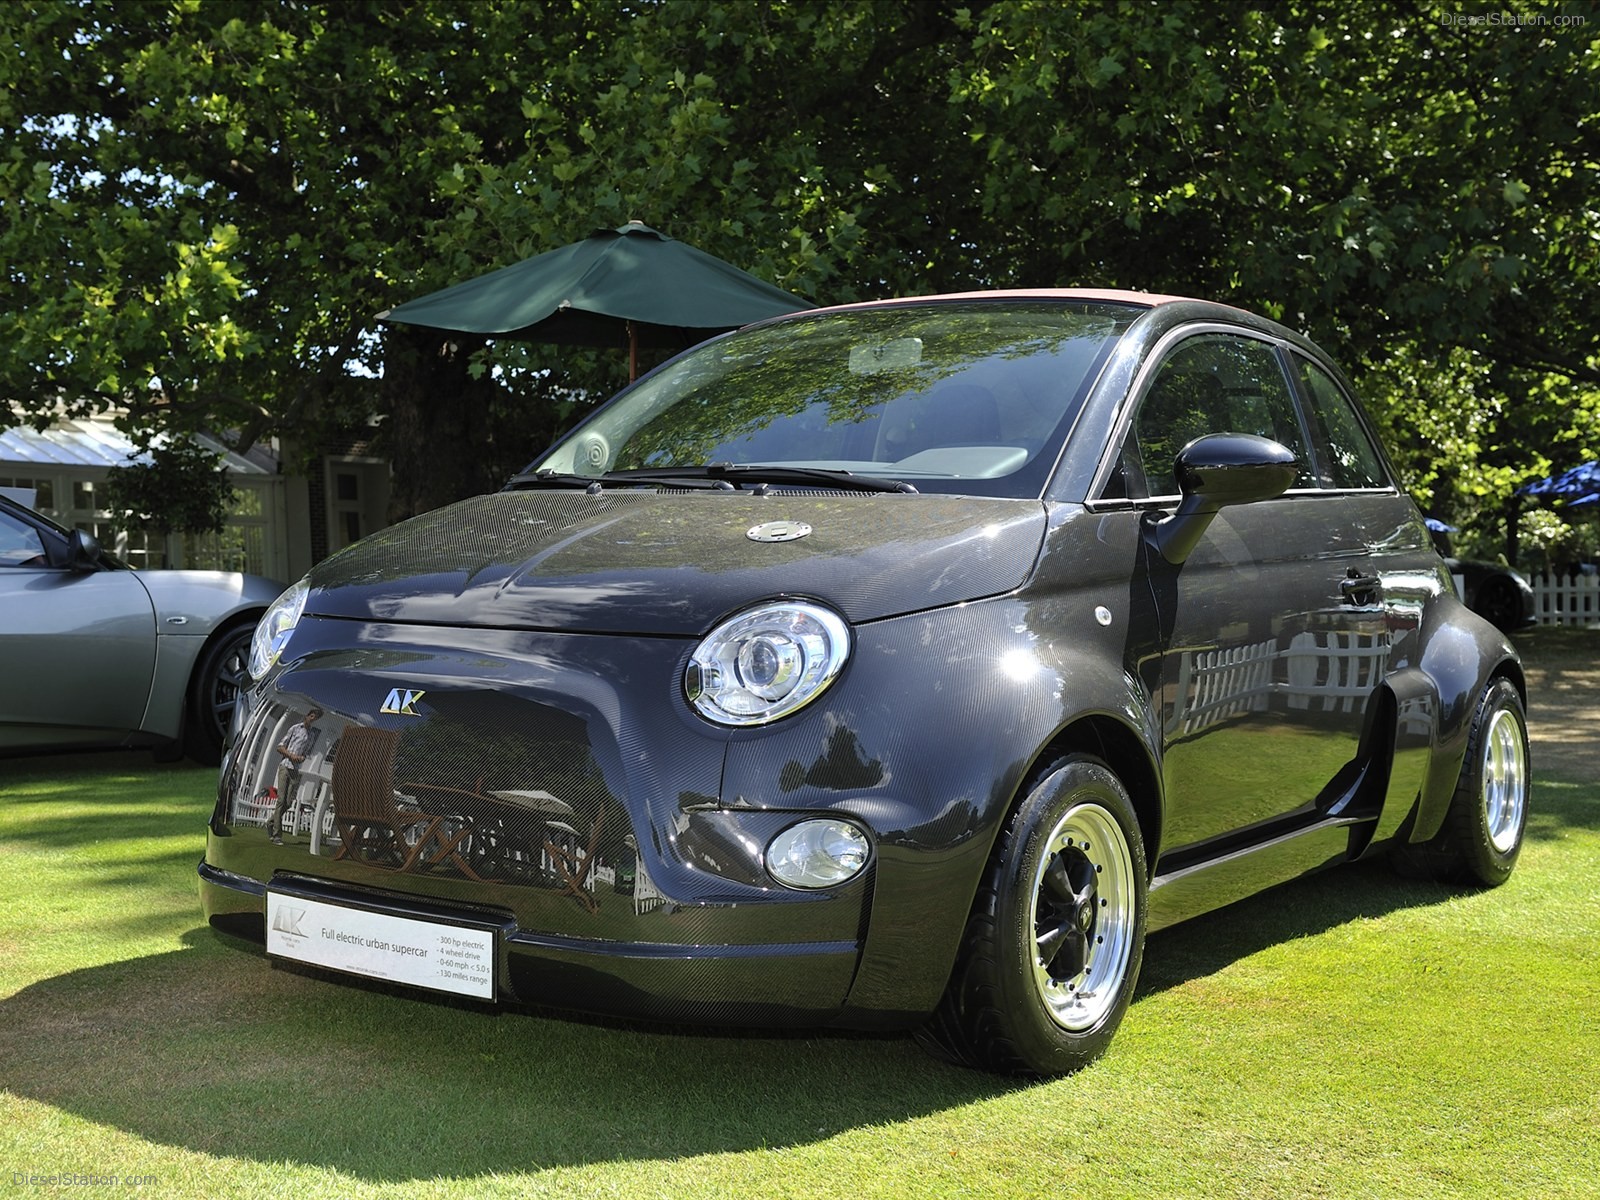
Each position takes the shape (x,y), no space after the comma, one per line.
(818,854)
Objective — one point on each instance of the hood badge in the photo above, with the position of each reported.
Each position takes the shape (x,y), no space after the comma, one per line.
(402,702)
(778,531)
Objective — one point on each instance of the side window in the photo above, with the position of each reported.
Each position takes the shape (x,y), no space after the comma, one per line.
(1352,460)
(1212,383)
(20,545)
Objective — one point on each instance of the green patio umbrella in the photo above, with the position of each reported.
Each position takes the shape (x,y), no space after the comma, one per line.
(629,286)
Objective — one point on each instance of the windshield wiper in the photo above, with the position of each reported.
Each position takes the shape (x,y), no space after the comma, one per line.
(722,476)
(759,473)
(553,479)
(595,484)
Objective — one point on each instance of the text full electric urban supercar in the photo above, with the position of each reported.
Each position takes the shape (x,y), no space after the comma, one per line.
(900,664)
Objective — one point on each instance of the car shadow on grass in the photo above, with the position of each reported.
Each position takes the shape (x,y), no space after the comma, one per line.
(211,1049)
(1204,945)
(1338,896)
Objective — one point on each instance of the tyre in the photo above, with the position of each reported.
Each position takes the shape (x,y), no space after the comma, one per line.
(1482,832)
(213,693)
(1052,950)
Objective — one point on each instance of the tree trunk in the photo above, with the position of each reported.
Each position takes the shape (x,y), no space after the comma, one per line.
(437,422)
(1513,516)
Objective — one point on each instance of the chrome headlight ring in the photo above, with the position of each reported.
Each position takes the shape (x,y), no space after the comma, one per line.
(766,662)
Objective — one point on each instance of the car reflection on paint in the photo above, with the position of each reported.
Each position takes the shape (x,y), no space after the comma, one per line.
(901,665)
(93,654)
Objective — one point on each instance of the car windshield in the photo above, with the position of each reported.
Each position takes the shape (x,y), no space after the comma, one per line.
(950,396)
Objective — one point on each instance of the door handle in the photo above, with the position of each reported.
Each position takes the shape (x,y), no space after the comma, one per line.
(1361,590)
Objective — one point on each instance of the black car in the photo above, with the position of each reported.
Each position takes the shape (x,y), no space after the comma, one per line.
(895,665)
(1497,593)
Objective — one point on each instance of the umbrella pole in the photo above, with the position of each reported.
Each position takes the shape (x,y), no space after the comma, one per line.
(633,352)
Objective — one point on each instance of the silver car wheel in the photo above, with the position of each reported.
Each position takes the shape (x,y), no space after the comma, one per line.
(1503,781)
(1083,917)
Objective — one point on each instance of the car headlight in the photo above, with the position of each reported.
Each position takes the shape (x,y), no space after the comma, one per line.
(818,853)
(273,630)
(765,663)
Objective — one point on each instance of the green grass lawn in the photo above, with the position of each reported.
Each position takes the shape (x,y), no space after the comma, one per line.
(1348,1035)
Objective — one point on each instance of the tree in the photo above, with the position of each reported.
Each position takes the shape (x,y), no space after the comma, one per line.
(207,204)
(182,488)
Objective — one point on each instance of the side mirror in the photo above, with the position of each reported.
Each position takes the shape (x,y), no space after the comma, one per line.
(1217,470)
(83,552)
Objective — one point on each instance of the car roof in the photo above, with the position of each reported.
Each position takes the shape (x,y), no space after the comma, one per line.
(1109,295)
(1177,308)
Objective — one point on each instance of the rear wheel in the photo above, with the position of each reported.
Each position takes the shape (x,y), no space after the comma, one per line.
(1052,949)
(1482,833)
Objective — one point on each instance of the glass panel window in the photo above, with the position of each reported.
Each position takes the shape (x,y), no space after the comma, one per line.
(20,544)
(1212,383)
(1352,460)
(44,494)
(969,397)
(242,544)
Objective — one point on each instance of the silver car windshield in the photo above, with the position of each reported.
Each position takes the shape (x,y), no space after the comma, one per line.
(947,396)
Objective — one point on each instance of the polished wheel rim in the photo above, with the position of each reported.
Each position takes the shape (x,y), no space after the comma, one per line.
(1083,917)
(1504,781)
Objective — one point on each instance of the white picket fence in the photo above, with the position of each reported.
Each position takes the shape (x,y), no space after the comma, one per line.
(1319,672)
(1566,599)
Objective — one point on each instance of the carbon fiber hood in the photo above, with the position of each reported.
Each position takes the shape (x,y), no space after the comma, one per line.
(675,563)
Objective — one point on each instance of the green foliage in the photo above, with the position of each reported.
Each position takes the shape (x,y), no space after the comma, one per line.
(1551,543)
(208,204)
(181,489)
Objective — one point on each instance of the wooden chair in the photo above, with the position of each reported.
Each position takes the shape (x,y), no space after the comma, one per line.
(572,860)
(456,813)
(372,824)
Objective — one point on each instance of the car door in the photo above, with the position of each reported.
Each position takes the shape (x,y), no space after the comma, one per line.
(77,648)
(1266,653)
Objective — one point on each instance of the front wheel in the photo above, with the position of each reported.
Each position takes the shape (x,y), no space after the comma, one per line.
(1052,949)
(1482,832)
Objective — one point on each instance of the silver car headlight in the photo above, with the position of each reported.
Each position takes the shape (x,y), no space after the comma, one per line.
(766,662)
(275,627)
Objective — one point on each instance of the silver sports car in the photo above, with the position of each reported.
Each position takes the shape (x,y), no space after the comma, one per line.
(95,654)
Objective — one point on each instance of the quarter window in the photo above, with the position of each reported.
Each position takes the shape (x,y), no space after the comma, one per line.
(1351,459)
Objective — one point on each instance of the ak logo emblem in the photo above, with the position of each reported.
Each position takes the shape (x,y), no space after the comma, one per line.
(402,702)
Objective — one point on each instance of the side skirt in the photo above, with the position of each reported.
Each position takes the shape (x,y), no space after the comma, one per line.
(1205,886)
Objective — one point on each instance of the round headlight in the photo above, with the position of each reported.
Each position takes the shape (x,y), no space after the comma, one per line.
(767,662)
(817,854)
(274,628)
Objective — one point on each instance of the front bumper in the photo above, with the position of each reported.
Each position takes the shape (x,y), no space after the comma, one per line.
(763,985)
(550,788)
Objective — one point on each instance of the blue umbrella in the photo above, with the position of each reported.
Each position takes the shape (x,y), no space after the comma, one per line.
(1577,483)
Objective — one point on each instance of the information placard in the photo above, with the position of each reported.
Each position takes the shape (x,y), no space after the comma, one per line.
(426,954)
